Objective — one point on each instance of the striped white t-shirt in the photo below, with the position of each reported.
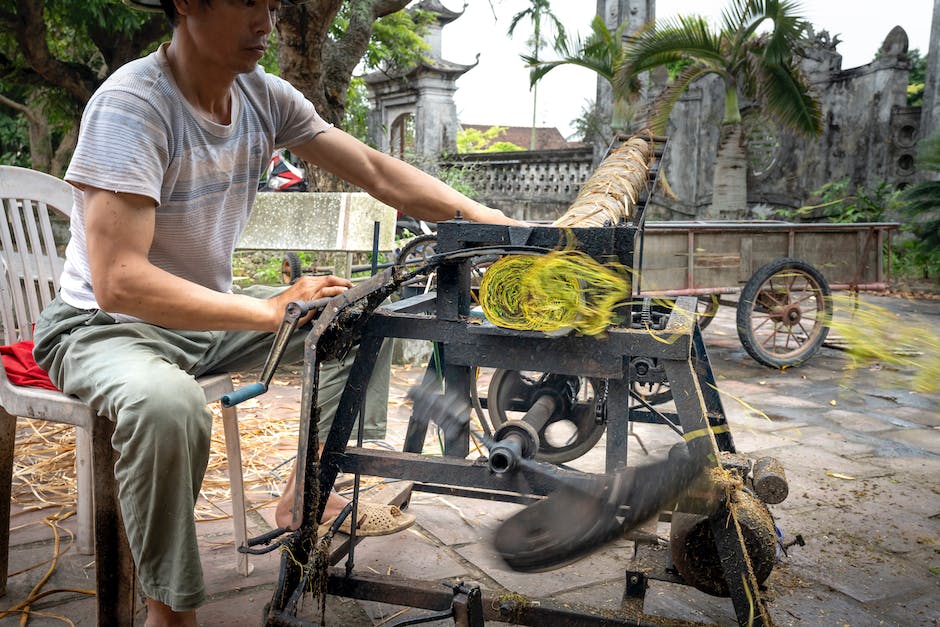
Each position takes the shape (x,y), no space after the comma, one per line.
(139,135)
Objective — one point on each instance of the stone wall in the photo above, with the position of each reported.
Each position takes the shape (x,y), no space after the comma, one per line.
(869,136)
(536,185)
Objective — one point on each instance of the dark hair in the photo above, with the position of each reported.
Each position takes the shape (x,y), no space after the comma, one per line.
(169,7)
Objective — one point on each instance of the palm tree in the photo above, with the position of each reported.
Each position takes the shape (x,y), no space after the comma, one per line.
(537,11)
(601,53)
(758,66)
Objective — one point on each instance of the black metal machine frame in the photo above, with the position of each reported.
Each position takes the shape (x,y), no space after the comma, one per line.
(464,344)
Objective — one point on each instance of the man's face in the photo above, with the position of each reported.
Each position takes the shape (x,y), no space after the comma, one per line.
(232,33)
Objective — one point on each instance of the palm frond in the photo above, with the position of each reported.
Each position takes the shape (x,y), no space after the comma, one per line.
(679,38)
(600,53)
(786,93)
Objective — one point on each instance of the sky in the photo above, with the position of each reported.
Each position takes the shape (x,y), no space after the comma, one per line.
(496,91)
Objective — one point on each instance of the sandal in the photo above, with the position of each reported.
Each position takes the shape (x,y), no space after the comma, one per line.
(375,519)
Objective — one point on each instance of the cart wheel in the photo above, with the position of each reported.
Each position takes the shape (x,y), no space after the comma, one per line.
(567,435)
(784,312)
(416,251)
(705,310)
(290,268)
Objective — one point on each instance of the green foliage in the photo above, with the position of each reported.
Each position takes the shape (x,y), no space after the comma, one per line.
(916,253)
(601,52)
(839,202)
(921,210)
(916,79)
(356,114)
(590,126)
(459,176)
(397,39)
(503,146)
(54,83)
(14,141)
(475,140)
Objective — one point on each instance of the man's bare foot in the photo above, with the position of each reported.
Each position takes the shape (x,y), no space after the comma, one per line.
(161,615)
(283,514)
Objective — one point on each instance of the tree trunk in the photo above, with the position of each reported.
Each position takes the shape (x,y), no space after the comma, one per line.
(321,67)
(729,183)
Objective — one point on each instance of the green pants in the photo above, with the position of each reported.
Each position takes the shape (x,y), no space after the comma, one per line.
(142,377)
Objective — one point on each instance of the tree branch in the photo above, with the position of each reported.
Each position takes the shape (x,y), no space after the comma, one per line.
(31,36)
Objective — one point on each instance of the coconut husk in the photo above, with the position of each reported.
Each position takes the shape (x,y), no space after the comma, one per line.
(611,194)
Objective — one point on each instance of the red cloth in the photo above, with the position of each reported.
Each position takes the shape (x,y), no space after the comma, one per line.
(22,368)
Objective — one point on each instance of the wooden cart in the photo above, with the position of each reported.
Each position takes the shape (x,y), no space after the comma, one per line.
(782,273)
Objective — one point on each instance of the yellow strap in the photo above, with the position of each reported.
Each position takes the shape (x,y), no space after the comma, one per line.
(701,433)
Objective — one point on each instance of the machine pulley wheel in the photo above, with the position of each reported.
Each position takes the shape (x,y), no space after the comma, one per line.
(569,433)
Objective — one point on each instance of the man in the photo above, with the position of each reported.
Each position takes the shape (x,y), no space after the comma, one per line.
(165,171)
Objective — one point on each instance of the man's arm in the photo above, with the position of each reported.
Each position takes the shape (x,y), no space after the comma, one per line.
(119,231)
(393,181)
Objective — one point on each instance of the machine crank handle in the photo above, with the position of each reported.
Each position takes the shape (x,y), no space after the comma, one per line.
(294,311)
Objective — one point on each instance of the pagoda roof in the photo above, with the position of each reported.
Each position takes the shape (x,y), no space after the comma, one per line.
(448,68)
(444,15)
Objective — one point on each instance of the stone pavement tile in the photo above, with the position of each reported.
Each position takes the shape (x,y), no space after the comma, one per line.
(795,602)
(455,521)
(919,439)
(410,554)
(671,600)
(832,441)
(53,611)
(865,511)
(27,524)
(914,487)
(907,416)
(30,563)
(600,566)
(855,567)
(752,442)
(921,607)
(810,486)
(731,387)
(867,422)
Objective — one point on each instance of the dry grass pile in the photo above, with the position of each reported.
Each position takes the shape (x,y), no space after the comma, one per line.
(44,465)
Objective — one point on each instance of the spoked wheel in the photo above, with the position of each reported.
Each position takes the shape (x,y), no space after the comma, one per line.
(416,251)
(290,268)
(784,312)
(414,254)
(570,432)
(705,310)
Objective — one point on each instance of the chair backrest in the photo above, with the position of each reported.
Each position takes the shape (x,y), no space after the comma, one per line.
(30,265)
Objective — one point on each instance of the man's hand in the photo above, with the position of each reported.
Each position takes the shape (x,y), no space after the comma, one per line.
(305,289)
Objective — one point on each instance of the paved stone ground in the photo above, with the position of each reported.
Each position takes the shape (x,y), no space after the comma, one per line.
(862,454)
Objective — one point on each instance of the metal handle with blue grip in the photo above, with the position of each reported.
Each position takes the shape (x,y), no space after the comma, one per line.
(293,313)
(237,396)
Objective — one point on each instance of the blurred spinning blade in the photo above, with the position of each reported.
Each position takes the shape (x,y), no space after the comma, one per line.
(578,517)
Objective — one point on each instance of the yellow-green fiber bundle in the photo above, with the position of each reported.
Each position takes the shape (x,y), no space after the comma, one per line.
(559,290)
(874,335)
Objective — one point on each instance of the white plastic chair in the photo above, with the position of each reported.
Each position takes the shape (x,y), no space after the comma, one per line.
(29,279)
